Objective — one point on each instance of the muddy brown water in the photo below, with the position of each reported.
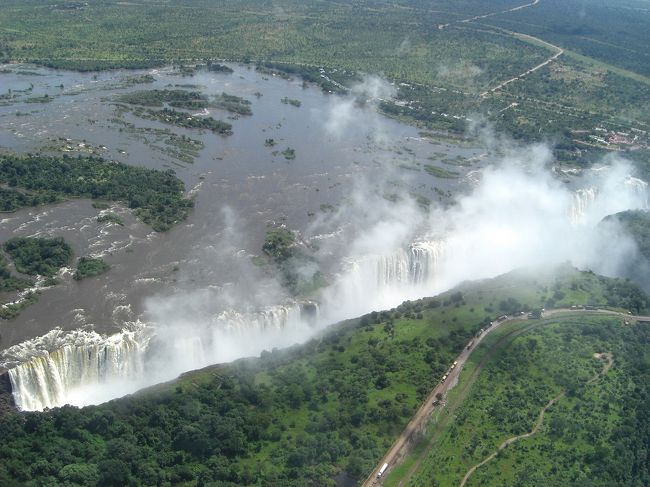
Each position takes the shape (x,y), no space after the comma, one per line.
(241,187)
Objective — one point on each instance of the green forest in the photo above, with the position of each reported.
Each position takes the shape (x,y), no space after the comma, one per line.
(299,416)
(38,256)
(90,267)
(592,371)
(157,197)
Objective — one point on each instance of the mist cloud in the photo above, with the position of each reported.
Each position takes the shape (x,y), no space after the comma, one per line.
(343,113)
(382,251)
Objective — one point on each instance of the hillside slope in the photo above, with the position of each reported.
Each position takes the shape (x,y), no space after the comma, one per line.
(302,416)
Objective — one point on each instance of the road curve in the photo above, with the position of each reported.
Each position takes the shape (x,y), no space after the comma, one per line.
(558,53)
(509,441)
(402,445)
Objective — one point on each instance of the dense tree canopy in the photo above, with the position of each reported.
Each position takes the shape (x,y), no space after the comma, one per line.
(156,196)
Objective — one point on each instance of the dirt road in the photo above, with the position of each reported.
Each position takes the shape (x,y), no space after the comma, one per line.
(509,441)
(485,16)
(558,53)
(402,445)
(540,419)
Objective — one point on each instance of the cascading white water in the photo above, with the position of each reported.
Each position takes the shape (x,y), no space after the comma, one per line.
(414,266)
(83,367)
(380,281)
(639,188)
(590,205)
(502,229)
(583,199)
(274,318)
(49,377)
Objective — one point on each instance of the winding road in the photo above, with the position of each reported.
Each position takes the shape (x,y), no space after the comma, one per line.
(509,441)
(408,438)
(540,419)
(525,37)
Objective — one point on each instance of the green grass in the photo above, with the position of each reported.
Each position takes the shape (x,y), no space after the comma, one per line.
(292,417)
(554,355)
(90,267)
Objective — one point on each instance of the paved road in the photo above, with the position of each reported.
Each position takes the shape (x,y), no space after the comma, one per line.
(409,436)
(405,440)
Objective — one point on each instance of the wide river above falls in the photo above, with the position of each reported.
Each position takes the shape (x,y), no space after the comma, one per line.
(242,187)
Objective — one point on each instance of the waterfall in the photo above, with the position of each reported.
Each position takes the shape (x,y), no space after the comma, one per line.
(640,189)
(383,281)
(591,205)
(276,318)
(49,377)
(583,199)
(413,266)
(83,367)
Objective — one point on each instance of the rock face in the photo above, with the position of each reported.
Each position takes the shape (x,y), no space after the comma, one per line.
(6,398)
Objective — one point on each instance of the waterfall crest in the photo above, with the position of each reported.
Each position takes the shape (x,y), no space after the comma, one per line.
(583,199)
(47,377)
(83,367)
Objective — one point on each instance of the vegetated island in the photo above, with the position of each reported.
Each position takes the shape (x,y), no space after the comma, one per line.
(174,98)
(9,282)
(185,120)
(440,172)
(156,196)
(298,271)
(233,104)
(219,68)
(188,100)
(90,267)
(38,256)
(307,414)
(110,218)
(291,101)
(289,154)
(33,256)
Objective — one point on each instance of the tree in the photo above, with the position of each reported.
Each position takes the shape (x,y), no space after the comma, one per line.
(113,473)
(80,473)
